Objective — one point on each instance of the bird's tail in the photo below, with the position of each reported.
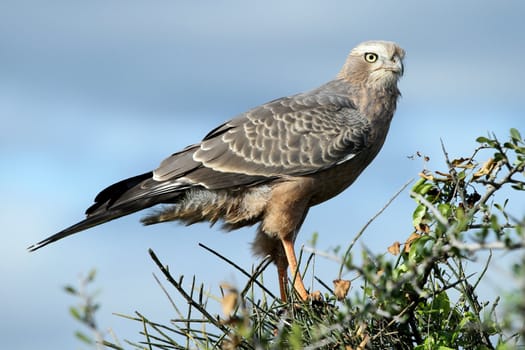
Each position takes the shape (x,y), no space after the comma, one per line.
(89,222)
(122,198)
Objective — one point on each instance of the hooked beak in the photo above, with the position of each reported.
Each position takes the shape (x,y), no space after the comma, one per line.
(396,65)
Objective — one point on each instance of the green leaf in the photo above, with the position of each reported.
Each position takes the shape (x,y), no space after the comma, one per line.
(510,146)
(419,213)
(429,342)
(425,188)
(441,303)
(84,338)
(418,184)
(417,249)
(75,313)
(519,186)
(398,271)
(313,239)
(460,213)
(296,337)
(70,290)
(95,307)
(515,135)
(482,139)
(91,275)
(444,209)
(498,156)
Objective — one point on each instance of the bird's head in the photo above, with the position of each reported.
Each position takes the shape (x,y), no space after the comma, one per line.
(374,63)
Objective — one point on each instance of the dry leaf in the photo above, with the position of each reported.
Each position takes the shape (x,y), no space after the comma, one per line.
(341,288)
(231,343)
(426,176)
(394,248)
(316,296)
(363,344)
(460,163)
(485,169)
(423,228)
(446,176)
(409,241)
(361,329)
(228,303)
(230,299)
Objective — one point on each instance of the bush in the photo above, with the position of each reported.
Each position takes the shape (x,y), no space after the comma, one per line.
(418,296)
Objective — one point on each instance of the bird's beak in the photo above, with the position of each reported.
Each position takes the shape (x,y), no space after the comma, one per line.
(396,65)
(400,67)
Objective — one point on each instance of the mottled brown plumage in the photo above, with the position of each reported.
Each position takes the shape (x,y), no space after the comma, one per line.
(272,163)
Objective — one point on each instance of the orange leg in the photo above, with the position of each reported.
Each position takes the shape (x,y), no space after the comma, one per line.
(282,267)
(292,262)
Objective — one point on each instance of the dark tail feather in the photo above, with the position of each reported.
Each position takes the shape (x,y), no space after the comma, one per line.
(108,196)
(83,225)
(106,209)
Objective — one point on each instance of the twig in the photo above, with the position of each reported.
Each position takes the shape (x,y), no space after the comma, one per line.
(145,327)
(188,315)
(484,271)
(323,254)
(182,292)
(493,188)
(324,285)
(253,278)
(244,272)
(360,233)
(452,170)
(167,295)
(474,247)
(486,226)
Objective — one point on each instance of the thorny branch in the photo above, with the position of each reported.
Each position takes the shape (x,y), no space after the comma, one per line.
(213,320)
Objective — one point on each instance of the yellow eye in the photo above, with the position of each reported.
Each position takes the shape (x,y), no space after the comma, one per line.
(370,57)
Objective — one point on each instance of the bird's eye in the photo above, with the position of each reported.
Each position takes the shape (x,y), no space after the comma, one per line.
(370,57)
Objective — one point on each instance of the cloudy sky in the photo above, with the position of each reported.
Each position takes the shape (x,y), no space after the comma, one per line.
(95,91)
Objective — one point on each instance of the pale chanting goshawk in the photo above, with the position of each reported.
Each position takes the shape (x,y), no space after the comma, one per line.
(270,164)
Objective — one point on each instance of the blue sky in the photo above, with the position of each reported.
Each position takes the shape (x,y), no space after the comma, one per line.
(93,92)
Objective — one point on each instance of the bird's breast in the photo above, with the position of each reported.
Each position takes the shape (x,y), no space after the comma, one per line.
(332,181)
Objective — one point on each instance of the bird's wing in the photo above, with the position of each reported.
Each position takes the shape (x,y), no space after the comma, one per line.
(291,136)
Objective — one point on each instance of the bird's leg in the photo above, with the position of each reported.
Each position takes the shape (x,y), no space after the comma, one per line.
(298,284)
(282,272)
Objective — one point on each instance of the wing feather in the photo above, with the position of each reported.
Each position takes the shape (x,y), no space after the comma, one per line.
(291,136)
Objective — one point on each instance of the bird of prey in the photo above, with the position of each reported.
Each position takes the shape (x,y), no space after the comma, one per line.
(270,164)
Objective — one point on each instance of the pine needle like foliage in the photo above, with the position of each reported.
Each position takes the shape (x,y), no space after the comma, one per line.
(419,294)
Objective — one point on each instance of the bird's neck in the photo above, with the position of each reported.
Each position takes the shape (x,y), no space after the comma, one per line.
(377,103)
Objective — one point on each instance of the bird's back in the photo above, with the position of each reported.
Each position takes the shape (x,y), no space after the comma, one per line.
(285,155)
